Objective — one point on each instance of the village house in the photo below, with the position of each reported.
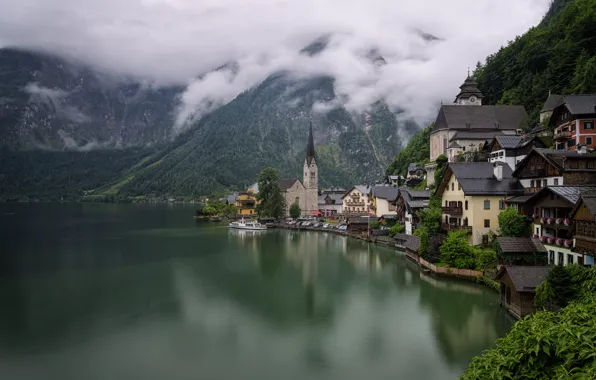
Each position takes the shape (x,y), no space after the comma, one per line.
(383,200)
(473,194)
(408,203)
(584,219)
(416,174)
(355,201)
(573,120)
(550,210)
(513,149)
(547,167)
(520,251)
(518,287)
(331,202)
(358,224)
(468,125)
(246,203)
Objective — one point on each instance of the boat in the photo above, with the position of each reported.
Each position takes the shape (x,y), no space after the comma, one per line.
(247,225)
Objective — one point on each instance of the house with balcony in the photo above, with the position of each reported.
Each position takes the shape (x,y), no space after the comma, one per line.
(383,200)
(246,203)
(355,201)
(573,120)
(584,226)
(331,202)
(551,212)
(408,203)
(550,167)
(473,194)
(513,149)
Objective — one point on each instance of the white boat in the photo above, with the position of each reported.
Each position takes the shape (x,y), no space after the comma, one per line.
(247,225)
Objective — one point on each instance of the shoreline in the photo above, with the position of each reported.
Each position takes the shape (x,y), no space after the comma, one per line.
(424,266)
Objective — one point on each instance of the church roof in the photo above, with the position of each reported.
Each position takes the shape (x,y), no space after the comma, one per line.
(310,148)
(286,183)
(480,118)
(469,88)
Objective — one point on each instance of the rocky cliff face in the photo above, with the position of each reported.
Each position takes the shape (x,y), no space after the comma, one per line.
(50,103)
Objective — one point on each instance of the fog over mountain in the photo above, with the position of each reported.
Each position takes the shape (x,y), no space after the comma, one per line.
(426,45)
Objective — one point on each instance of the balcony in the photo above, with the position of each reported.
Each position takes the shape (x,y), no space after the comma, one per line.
(563,135)
(455,227)
(354,203)
(555,223)
(453,210)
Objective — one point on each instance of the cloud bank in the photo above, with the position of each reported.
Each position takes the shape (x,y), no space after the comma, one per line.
(183,41)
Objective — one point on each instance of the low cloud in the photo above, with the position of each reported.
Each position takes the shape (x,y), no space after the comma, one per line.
(182,41)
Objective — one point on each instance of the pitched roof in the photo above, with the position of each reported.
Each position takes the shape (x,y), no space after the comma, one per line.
(485,135)
(310,148)
(412,243)
(419,194)
(521,199)
(454,145)
(508,141)
(588,198)
(579,104)
(525,278)
(232,197)
(520,244)
(414,166)
(469,88)
(385,192)
(359,220)
(551,102)
(418,204)
(556,158)
(286,183)
(477,178)
(480,117)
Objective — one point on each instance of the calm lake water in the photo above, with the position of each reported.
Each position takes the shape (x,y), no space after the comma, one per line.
(143,292)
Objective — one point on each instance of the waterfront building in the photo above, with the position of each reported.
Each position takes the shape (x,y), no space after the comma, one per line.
(520,251)
(473,194)
(518,287)
(408,203)
(330,202)
(584,220)
(355,201)
(383,200)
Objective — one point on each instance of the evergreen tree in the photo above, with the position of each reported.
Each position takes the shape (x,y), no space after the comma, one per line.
(271,201)
(295,210)
(511,223)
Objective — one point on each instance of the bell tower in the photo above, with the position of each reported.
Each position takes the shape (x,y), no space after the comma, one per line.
(469,93)
(311,176)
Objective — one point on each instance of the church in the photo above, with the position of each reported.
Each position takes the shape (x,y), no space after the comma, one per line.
(467,125)
(305,193)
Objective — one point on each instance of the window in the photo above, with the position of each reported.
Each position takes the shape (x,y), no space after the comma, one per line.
(588,125)
(459,184)
(501,205)
(580,260)
(537,231)
(570,143)
(446,219)
(446,203)
(452,186)
(466,203)
(551,257)
(486,223)
(588,141)
(569,259)
(573,164)
(556,181)
(573,128)
(552,196)
(544,183)
(532,183)
(560,261)
(590,164)
(487,205)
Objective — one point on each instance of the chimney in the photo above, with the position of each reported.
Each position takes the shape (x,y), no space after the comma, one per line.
(581,149)
(498,171)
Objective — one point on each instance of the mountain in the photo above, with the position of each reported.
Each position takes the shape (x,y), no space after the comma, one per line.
(51,103)
(74,121)
(558,56)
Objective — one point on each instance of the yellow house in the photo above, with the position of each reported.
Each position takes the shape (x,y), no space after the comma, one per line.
(247,203)
(383,199)
(473,194)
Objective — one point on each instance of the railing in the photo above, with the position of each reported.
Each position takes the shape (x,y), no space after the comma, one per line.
(453,210)
(532,190)
(562,135)
(354,203)
(455,227)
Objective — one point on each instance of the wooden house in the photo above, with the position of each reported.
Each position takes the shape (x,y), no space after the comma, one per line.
(584,219)
(359,224)
(518,287)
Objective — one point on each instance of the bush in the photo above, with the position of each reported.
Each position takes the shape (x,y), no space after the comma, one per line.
(484,257)
(511,223)
(397,229)
(456,251)
(374,224)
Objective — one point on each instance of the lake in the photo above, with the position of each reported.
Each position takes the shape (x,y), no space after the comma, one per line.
(100,291)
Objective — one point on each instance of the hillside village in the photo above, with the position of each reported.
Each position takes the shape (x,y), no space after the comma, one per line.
(484,159)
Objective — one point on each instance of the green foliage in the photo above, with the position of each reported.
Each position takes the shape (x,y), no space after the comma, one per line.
(295,210)
(397,229)
(562,285)
(484,258)
(271,201)
(547,345)
(375,224)
(456,251)
(430,217)
(441,162)
(209,210)
(417,151)
(511,223)
(558,55)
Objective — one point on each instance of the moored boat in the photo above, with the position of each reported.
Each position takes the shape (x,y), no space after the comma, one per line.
(247,225)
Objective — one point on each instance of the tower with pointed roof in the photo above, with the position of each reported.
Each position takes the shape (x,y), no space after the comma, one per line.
(469,93)
(311,176)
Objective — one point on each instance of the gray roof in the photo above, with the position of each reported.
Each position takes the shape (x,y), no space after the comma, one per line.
(286,183)
(412,243)
(525,278)
(454,145)
(520,199)
(579,104)
(520,244)
(364,189)
(332,189)
(589,200)
(556,158)
(418,204)
(232,197)
(414,166)
(469,88)
(571,193)
(402,237)
(480,117)
(385,192)
(477,178)
(508,141)
(475,135)
(417,194)
(551,102)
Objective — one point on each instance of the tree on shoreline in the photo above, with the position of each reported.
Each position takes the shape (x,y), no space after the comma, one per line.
(295,210)
(271,201)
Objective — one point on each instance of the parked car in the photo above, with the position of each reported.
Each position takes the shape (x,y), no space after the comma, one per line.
(325,225)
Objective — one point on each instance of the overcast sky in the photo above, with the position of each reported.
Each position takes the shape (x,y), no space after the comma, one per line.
(172,41)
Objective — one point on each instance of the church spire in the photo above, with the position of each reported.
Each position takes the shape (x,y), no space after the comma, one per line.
(310,148)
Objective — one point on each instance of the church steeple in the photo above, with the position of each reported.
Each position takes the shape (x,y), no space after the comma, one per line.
(469,93)
(310,148)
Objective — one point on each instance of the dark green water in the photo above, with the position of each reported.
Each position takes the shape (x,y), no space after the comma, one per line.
(142,292)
